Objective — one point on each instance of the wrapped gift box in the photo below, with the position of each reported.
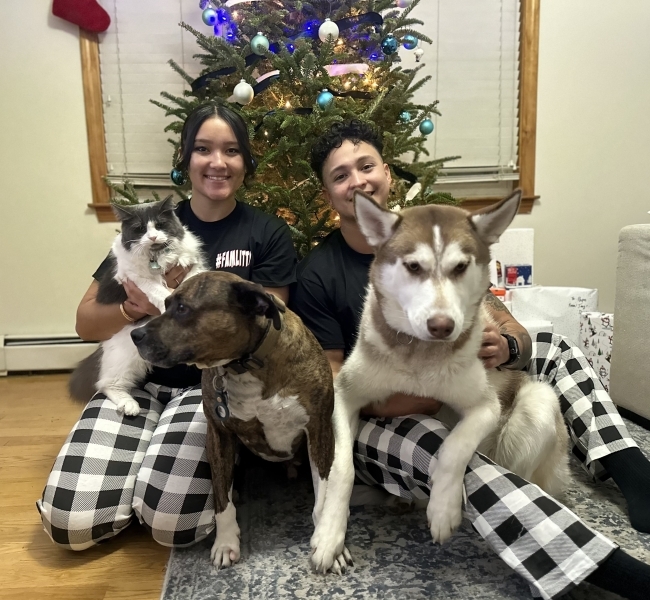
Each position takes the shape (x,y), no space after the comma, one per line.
(562,306)
(515,247)
(596,331)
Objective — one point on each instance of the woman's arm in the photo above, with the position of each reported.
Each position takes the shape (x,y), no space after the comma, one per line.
(99,322)
(494,351)
(398,405)
(281,292)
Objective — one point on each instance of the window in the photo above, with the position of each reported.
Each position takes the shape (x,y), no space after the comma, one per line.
(483,64)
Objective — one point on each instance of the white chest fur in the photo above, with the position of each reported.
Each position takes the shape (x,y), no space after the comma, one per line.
(282,417)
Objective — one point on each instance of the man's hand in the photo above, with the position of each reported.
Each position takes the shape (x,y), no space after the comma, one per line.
(494,349)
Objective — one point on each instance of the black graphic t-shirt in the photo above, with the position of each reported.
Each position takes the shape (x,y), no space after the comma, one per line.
(249,243)
(328,297)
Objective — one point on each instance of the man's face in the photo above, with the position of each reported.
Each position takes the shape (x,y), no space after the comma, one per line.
(354,167)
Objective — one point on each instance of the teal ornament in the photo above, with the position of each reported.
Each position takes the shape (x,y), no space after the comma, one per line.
(409,42)
(260,44)
(325,99)
(177,176)
(405,116)
(389,44)
(209,16)
(426,127)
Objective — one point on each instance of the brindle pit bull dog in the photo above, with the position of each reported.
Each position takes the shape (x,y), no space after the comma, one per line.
(266,383)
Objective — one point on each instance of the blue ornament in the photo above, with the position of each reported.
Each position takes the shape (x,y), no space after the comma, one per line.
(405,116)
(259,44)
(409,41)
(209,16)
(177,176)
(389,44)
(291,48)
(325,99)
(203,4)
(426,127)
(223,16)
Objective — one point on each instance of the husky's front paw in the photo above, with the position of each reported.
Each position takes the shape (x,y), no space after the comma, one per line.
(129,407)
(225,550)
(329,552)
(444,513)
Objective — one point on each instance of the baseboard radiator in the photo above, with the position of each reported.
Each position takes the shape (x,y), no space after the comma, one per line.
(42,353)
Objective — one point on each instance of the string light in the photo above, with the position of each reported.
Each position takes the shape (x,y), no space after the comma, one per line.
(288,104)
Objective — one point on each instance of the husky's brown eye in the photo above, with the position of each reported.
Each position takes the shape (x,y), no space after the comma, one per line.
(461,268)
(414,267)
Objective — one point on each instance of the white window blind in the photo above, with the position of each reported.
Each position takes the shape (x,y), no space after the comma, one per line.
(134,55)
(473,63)
(474,67)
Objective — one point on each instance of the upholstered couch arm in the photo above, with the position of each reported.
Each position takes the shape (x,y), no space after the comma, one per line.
(630,369)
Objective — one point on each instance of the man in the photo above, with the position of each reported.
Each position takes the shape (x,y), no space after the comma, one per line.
(397,441)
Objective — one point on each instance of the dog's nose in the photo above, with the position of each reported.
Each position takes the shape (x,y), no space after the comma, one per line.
(439,327)
(137,335)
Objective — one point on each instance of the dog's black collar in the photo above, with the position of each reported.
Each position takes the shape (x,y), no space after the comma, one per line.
(255,360)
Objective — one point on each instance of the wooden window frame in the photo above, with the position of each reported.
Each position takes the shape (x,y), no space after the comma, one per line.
(528,68)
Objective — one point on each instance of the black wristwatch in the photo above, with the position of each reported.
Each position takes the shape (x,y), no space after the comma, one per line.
(513,348)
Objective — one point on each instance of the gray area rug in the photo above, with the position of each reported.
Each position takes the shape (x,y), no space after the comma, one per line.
(391,546)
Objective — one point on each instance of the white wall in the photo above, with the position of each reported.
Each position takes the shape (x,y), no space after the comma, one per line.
(50,243)
(593,139)
(592,158)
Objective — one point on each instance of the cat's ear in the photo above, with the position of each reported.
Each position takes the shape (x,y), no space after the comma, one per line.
(123,211)
(167,204)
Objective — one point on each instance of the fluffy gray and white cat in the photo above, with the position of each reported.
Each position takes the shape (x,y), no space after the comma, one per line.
(152,241)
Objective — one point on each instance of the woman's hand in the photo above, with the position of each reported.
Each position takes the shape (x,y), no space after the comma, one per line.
(137,304)
(174,277)
(494,348)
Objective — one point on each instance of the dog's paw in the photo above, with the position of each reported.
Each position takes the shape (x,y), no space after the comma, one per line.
(329,552)
(444,514)
(225,551)
(129,407)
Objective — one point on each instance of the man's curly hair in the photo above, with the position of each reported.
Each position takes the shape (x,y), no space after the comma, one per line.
(353,130)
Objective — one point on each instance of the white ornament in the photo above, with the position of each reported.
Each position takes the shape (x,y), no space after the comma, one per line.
(418,54)
(413,192)
(404,3)
(243,93)
(328,31)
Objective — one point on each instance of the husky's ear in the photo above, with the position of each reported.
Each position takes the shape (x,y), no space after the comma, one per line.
(376,223)
(492,221)
(253,299)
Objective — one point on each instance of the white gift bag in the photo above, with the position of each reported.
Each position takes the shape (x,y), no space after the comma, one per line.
(559,305)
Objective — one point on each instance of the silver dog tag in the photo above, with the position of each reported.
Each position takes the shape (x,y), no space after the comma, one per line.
(221,410)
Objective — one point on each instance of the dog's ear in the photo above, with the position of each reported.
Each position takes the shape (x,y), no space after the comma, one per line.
(376,223)
(492,221)
(253,300)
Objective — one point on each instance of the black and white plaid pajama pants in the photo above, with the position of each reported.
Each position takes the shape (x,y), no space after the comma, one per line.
(154,466)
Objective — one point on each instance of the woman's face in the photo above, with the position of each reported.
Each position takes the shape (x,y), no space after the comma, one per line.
(216,167)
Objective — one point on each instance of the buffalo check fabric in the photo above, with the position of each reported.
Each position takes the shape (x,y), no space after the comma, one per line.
(544,542)
(114,466)
(595,426)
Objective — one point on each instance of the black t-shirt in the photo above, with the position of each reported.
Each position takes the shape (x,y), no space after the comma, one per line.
(249,243)
(329,295)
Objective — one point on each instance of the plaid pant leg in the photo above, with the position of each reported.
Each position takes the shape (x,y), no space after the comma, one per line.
(544,542)
(88,494)
(595,426)
(173,492)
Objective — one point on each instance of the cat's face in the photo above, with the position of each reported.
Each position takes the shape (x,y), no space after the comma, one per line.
(149,226)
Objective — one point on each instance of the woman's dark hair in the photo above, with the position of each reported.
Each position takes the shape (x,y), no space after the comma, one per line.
(354,130)
(193,123)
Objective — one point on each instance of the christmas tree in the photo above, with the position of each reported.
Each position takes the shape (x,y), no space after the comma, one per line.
(292,69)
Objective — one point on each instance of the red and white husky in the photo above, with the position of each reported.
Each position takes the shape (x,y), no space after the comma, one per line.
(427,285)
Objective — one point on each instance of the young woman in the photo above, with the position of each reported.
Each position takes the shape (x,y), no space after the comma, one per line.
(154,465)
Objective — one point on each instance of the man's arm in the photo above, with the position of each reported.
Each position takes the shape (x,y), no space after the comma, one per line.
(497,344)
(398,405)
